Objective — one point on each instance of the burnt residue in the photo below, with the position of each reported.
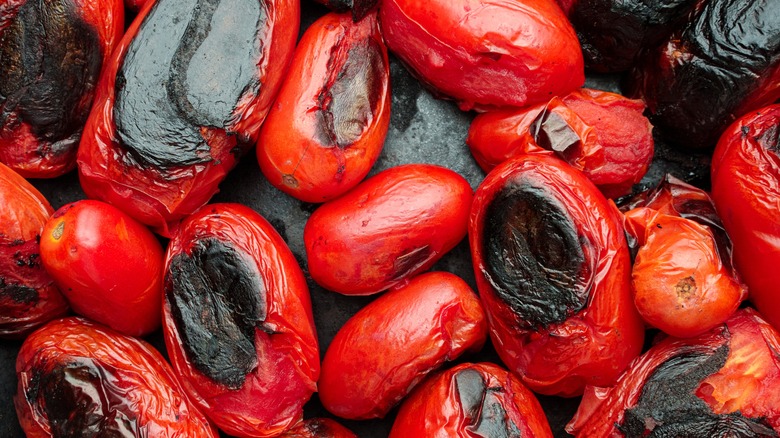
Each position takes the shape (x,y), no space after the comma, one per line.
(533,255)
(550,131)
(187,68)
(18,293)
(485,415)
(216,296)
(769,139)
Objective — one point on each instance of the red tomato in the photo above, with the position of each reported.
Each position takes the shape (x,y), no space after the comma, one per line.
(319,428)
(107,265)
(360,8)
(391,344)
(328,124)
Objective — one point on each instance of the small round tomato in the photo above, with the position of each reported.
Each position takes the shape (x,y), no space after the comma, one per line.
(108,266)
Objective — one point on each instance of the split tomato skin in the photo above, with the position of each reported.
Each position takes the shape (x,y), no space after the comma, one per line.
(329,121)
(390,227)
(391,344)
(319,428)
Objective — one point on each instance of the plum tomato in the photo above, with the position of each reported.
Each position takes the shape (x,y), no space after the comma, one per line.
(359,8)
(486,53)
(108,266)
(553,271)
(329,121)
(238,323)
(319,428)
(51,55)
(182,99)
(28,295)
(471,400)
(391,344)
(79,379)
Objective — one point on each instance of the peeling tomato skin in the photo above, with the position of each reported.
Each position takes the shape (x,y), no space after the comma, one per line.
(329,121)
(390,227)
(319,428)
(391,344)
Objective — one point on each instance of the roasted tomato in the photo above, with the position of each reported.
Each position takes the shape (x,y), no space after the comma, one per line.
(329,122)
(391,344)
(319,428)
(602,134)
(722,383)
(722,64)
(51,56)
(392,226)
(552,268)
(77,378)
(238,323)
(182,98)
(28,295)
(359,8)
(746,189)
(484,53)
(471,400)
(108,266)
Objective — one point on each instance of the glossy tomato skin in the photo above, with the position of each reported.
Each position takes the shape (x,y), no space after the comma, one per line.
(329,122)
(471,399)
(238,323)
(391,344)
(319,428)
(475,52)
(78,378)
(724,382)
(745,188)
(28,295)
(108,265)
(390,227)
(53,53)
(162,135)
(552,268)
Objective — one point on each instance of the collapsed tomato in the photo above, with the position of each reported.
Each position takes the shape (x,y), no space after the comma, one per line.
(328,124)
(359,8)
(183,97)
(319,428)
(391,344)
(77,378)
(52,53)
(470,400)
(552,268)
(238,323)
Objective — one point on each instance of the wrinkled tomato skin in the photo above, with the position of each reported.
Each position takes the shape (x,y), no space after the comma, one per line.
(28,295)
(53,53)
(724,382)
(247,296)
(391,344)
(390,227)
(486,54)
(557,339)
(745,189)
(108,266)
(319,428)
(325,131)
(97,382)
(159,174)
(443,406)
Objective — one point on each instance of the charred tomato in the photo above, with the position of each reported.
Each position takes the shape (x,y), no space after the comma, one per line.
(359,8)
(319,428)
(552,268)
(238,323)
(329,121)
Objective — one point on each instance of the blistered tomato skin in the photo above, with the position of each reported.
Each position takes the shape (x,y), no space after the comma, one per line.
(238,323)
(78,378)
(552,268)
(470,400)
(108,266)
(319,428)
(329,122)
(391,344)
(162,135)
(486,54)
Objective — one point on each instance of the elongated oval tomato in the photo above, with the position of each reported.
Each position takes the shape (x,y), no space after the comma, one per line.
(28,295)
(183,97)
(77,378)
(391,344)
(108,266)
(328,124)
(552,268)
(52,54)
(238,323)
(319,428)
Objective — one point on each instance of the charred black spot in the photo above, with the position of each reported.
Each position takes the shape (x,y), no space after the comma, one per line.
(533,255)
(19,293)
(216,299)
(770,139)
(317,427)
(360,8)
(471,390)
(551,132)
(410,261)
(485,415)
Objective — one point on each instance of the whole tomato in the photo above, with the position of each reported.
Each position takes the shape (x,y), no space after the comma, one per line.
(108,266)
(319,428)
